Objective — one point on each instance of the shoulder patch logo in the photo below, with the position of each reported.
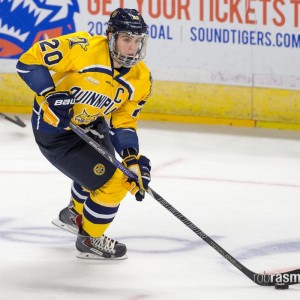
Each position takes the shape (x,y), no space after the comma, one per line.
(83,42)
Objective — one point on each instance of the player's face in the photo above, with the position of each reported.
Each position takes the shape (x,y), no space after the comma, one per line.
(126,48)
(128,44)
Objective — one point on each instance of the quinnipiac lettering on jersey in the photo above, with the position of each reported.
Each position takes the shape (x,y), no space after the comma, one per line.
(94,99)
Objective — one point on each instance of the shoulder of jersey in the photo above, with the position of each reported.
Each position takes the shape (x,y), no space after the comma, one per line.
(98,38)
(143,65)
(142,69)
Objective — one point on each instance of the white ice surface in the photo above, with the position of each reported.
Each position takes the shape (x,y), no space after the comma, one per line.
(241,186)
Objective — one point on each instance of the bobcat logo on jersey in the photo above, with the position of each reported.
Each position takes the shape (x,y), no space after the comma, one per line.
(85,118)
(83,42)
(25,22)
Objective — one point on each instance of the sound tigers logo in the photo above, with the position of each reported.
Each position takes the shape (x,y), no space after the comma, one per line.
(25,22)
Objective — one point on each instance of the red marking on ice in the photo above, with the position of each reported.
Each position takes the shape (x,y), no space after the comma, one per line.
(139,297)
(222,180)
(30,172)
(167,164)
(230,181)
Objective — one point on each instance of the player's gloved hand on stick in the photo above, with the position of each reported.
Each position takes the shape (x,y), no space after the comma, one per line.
(58,111)
(139,165)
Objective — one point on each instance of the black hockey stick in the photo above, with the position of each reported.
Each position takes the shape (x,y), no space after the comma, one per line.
(17,120)
(288,278)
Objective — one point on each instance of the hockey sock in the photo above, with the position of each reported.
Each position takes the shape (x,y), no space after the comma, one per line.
(79,196)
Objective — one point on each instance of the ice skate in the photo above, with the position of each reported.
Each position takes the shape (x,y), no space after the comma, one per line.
(66,219)
(101,248)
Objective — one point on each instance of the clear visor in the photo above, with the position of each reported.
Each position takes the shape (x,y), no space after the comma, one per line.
(127,48)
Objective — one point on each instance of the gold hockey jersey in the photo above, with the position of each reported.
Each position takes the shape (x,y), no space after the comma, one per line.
(82,64)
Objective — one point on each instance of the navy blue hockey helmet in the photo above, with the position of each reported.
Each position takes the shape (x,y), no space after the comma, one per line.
(130,22)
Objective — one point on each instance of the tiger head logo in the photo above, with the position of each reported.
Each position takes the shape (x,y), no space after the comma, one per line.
(25,22)
(85,118)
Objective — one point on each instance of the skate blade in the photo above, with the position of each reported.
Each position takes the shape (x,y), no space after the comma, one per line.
(64,226)
(84,255)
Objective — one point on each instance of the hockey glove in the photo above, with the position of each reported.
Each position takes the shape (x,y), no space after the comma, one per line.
(58,110)
(139,165)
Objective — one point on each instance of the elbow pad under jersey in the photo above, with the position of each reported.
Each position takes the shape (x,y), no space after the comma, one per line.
(37,77)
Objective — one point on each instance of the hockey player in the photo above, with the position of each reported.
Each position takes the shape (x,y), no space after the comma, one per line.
(82,78)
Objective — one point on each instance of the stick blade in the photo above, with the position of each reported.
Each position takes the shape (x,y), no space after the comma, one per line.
(19,122)
(16,120)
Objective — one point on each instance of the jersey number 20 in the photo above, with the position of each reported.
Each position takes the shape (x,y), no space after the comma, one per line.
(52,57)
